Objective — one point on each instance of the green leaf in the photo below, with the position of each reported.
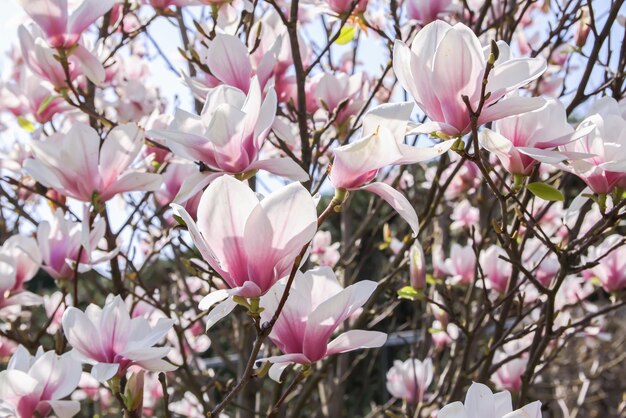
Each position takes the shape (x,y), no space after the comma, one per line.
(545,191)
(25,124)
(44,105)
(407,292)
(179,220)
(346,34)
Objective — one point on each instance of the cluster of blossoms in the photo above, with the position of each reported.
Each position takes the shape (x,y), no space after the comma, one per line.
(284,207)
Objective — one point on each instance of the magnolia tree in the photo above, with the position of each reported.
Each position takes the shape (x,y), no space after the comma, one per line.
(316,208)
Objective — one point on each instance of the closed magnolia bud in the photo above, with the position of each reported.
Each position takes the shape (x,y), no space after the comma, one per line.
(417,268)
(583,28)
(133,392)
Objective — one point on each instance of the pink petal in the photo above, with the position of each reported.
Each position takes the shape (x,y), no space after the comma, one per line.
(229,61)
(397,201)
(355,339)
(87,13)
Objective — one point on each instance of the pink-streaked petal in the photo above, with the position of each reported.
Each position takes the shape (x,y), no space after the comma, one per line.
(397,201)
(104,371)
(64,409)
(356,339)
(412,155)
(283,167)
(510,106)
(90,65)
(229,61)
(87,13)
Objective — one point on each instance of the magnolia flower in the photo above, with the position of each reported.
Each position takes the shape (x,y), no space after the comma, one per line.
(42,61)
(461,266)
(496,270)
(521,141)
(344,6)
(173,179)
(356,164)
(11,294)
(409,380)
(342,93)
(509,375)
(164,4)
(76,165)
(251,244)
(227,136)
(606,143)
(60,242)
(25,256)
(34,386)
(323,251)
(63,29)
(427,11)
(481,402)
(611,269)
(112,342)
(316,307)
(447,62)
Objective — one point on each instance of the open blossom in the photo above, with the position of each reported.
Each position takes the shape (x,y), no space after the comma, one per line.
(112,342)
(611,269)
(521,141)
(60,242)
(25,255)
(461,266)
(35,386)
(409,380)
(509,374)
(427,11)
(344,6)
(381,145)
(63,29)
(342,93)
(227,136)
(76,165)
(41,60)
(496,270)
(481,402)
(323,251)
(606,142)
(447,62)
(11,296)
(251,244)
(316,308)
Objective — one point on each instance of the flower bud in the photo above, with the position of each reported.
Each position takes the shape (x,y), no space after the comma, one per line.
(417,263)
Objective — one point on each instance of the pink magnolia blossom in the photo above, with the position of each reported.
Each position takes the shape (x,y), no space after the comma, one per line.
(521,141)
(344,6)
(12,297)
(173,180)
(481,402)
(496,270)
(409,380)
(60,242)
(25,256)
(227,136)
(509,374)
(381,145)
(447,62)
(606,142)
(427,11)
(611,269)
(76,165)
(316,308)
(111,341)
(35,386)
(41,60)
(323,251)
(464,215)
(63,29)
(461,266)
(342,93)
(251,244)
